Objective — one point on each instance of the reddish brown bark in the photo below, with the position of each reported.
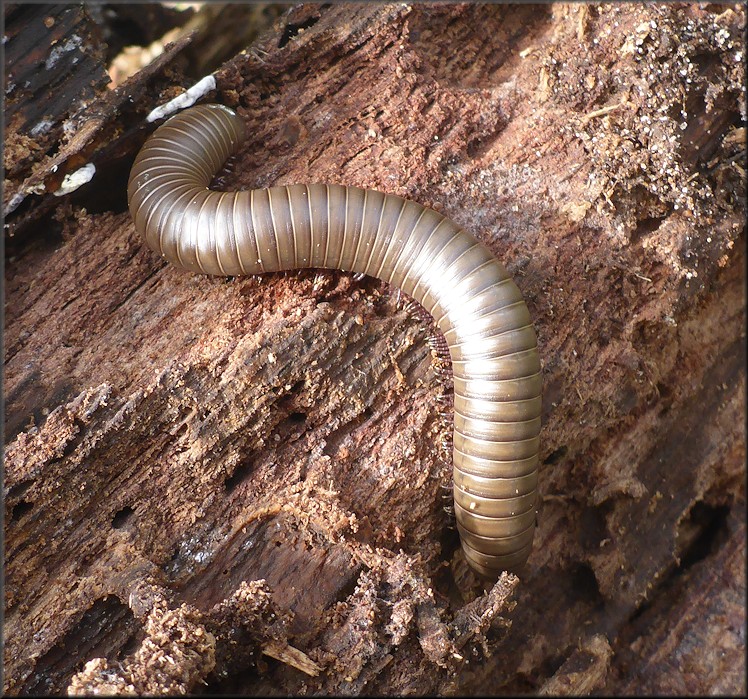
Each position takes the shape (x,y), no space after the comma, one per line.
(174,439)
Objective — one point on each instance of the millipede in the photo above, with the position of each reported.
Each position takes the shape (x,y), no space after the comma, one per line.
(471,296)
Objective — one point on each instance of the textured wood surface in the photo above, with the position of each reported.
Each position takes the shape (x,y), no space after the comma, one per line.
(172,441)
(62,118)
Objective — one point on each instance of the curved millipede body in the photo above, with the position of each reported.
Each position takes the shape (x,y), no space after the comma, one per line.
(475,304)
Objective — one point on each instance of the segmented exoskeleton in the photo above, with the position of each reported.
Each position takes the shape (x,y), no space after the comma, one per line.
(478,308)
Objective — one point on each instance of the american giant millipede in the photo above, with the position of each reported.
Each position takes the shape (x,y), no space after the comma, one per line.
(469,293)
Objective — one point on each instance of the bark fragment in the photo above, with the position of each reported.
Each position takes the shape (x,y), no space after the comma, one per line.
(583,672)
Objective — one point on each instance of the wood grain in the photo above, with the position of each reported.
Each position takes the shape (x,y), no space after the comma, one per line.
(155,462)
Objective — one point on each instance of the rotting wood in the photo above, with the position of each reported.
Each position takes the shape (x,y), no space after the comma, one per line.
(220,31)
(137,24)
(54,66)
(692,635)
(173,439)
(584,672)
(95,132)
(58,49)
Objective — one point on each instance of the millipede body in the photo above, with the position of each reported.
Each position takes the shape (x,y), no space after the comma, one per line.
(476,305)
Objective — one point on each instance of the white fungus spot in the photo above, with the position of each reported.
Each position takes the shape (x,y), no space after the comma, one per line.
(76,179)
(201,88)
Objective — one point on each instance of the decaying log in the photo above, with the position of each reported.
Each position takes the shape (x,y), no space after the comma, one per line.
(241,482)
(583,672)
(64,127)
(54,64)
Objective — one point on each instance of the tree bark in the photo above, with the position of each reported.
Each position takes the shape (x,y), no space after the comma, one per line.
(242,482)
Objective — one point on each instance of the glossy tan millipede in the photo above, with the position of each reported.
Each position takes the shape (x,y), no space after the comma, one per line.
(476,305)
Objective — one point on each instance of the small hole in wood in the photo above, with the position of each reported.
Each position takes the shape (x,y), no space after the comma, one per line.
(20,509)
(240,473)
(704,529)
(556,455)
(122,517)
(292,30)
